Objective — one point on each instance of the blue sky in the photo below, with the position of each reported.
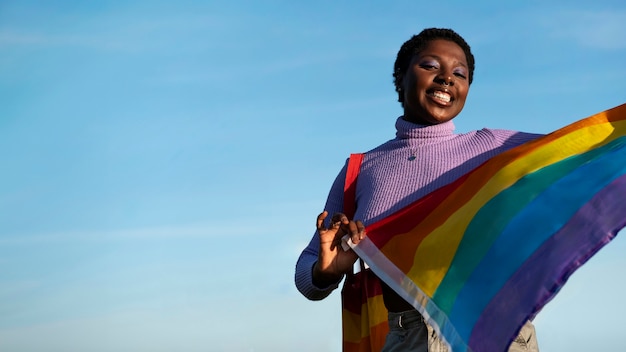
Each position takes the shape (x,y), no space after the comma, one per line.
(163,162)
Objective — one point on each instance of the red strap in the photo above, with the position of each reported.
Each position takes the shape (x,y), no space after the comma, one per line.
(349,188)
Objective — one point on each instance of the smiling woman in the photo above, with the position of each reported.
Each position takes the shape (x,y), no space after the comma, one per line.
(432,74)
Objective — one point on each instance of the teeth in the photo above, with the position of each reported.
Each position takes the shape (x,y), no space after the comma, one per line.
(442,96)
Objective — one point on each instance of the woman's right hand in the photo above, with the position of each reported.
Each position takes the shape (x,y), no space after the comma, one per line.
(333,261)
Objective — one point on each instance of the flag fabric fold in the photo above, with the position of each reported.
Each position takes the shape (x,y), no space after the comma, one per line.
(364,316)
(482,255)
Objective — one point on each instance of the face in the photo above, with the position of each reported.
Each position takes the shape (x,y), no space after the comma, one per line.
(436,83)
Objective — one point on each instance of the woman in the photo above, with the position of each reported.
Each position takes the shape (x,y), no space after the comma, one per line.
(432,75)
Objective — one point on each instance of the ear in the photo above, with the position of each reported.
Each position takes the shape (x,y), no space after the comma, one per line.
(402,82)
(400,91)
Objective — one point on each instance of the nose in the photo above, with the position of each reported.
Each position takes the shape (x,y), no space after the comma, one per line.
(446,80)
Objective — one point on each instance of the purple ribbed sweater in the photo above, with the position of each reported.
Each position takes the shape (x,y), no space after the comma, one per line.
(389,181)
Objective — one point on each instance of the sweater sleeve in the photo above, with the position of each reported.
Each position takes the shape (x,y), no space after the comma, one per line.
(308,257)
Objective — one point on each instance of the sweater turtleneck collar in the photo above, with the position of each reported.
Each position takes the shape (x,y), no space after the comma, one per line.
(410,130)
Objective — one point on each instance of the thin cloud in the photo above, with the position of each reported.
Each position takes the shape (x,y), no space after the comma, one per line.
(113,33)
(14,288)
(593,29)
(597,29)
(13,38)
(231,227)
(155,233)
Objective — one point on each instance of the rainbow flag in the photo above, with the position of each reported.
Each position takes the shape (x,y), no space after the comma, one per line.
(484,254)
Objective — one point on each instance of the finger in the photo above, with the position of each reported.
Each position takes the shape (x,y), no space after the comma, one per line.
(356,231)
(320,221)
(338,219)
(361,228)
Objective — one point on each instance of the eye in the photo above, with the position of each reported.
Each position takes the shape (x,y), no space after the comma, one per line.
(429,65)
(460,73)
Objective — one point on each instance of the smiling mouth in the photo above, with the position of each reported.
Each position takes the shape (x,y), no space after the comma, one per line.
(440,96)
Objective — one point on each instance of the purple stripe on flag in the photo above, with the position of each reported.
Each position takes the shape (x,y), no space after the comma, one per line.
(544,273)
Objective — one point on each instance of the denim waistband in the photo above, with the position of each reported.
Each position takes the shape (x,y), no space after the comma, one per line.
(405,320)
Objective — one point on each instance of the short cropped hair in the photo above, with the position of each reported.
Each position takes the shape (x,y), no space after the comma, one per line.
(417,43)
